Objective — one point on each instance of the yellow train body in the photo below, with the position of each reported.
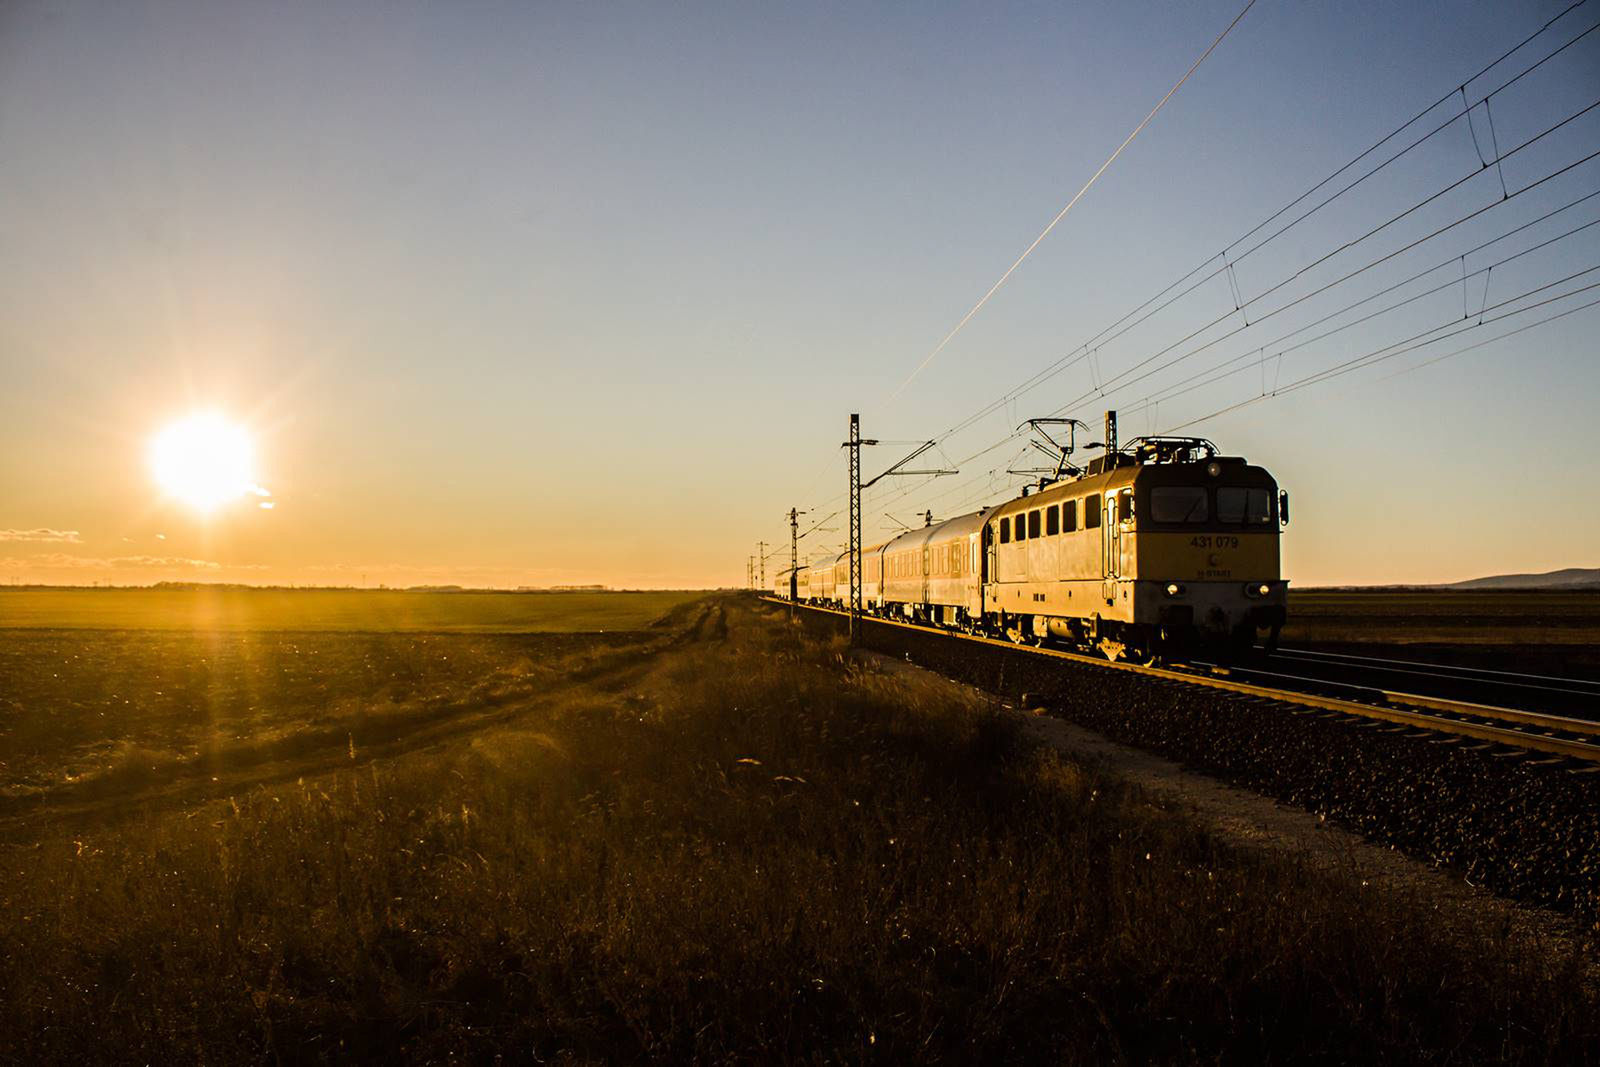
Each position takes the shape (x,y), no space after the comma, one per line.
(1134,556)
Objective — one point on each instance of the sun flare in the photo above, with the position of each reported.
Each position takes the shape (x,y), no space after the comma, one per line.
(204,461)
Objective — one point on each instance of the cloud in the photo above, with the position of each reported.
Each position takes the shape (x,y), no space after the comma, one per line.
(42,535)
(62,561)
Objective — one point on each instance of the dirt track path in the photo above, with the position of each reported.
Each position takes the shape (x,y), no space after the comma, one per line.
(323,752)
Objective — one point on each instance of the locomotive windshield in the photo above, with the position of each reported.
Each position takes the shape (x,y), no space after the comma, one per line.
(1179,504)
(1228,505)
(1253,507)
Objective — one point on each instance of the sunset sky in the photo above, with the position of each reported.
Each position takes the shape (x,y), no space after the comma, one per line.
(526,294)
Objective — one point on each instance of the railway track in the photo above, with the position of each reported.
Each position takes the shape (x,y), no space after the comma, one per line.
(1517,729)
(1572,697)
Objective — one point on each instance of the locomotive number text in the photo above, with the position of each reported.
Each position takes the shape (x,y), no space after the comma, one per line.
(1217,541)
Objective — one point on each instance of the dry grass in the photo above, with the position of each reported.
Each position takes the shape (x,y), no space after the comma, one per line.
(760,851)
(1412,616)
(238,608)
(90,712)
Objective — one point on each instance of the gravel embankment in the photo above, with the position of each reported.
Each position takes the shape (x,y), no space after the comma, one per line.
(1526,826)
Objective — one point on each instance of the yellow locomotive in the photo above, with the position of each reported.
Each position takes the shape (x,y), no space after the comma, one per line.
(1145,553)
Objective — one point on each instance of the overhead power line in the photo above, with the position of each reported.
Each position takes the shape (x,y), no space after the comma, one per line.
(940,347)
(1122,381)
(1422,340)
(1220,262)
(1173,390)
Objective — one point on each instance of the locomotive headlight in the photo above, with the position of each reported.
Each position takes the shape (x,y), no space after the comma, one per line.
(1257,590)
(1213,468)
(1174,589)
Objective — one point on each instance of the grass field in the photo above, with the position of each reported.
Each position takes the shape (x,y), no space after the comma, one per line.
(1549,632)
(341,610)
(83,711)
(736,844)
(130,687)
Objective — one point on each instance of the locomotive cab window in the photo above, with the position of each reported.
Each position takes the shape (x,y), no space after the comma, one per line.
(1091,512)
(1180,504)
(1033,524)
(1052,520)
(1005,531)
(1253,507)
(1125,507)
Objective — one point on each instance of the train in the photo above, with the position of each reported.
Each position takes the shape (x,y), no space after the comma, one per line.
(1151,552)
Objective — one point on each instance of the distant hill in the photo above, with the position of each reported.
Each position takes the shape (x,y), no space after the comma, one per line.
(1570,578)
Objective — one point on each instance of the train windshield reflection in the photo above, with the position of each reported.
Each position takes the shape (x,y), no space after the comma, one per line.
(1179,503)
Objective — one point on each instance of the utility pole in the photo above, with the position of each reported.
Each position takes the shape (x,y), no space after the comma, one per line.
(761,547)
(856,485)
(854,445)
(794,558)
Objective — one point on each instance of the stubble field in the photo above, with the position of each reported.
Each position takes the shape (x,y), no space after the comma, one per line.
(708,839)
(1540,632)
(102,691)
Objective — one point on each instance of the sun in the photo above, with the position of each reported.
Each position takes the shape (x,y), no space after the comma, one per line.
(204,461)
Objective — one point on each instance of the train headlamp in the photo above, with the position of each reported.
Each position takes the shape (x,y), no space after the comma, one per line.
(1257,591)
(1213,468)
(1174,589)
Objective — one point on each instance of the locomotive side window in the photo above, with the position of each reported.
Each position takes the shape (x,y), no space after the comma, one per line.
(1091,512)
(1052,520)
(1019,529)
(1252,507)
(1179,504)
(1005,531)
(1125,507)
(1069,516)
(1033,524)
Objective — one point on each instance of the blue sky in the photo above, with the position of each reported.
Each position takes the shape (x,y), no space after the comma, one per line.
(521,294)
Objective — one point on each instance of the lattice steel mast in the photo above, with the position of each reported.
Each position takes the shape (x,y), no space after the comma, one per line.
(856,485)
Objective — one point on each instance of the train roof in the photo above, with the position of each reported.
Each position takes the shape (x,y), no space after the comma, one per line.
(1223,470)
(959,526)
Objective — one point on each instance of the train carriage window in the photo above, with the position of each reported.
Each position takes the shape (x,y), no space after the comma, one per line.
(1180,504)
(1069,516)
(1091,512)
(1052,520)
(1033,524)
(1253,507)
(1005,531)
